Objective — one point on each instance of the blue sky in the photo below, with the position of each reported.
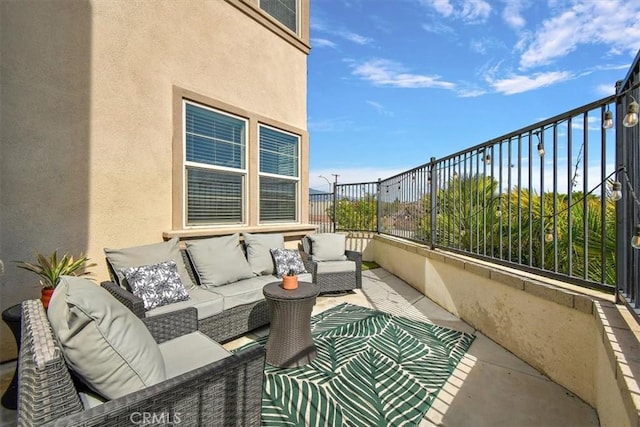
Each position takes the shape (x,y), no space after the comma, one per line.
(392,83)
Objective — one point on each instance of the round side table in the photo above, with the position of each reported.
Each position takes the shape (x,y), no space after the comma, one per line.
(290,343)
(12,316)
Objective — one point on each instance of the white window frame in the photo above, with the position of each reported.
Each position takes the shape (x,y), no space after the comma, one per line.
(186,164)
(295,179)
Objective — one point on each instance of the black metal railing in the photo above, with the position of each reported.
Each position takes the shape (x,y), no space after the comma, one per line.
(541,199)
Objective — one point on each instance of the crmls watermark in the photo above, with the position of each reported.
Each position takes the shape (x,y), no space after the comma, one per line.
(155,418)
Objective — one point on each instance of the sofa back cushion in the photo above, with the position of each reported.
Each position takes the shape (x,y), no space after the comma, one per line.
(328,247)
(259,251)
(218,261)
(109,348)
(155,253)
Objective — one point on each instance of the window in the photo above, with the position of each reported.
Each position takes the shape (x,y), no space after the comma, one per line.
(285,11)
(279,175)
(215,166)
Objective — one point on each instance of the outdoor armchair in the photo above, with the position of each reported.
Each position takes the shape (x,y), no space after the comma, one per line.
(334,268)
(225,392)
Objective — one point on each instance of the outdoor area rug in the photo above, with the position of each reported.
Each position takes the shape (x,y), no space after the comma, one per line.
(372,369)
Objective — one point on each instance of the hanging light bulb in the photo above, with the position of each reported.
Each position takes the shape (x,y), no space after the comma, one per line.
(455,174)
(607,123)
(540,149)
(616,191)
(548,235)
(631,118)
(635,240)
(487,159)
(498,211)
(462,232)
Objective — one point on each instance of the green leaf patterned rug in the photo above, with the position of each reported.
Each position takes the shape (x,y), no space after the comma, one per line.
(372,369)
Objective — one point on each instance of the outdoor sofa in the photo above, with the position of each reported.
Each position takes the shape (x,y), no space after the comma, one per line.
(90,361)
(223,277)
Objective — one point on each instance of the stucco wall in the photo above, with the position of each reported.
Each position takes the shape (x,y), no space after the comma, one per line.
(580,341)
(87,116)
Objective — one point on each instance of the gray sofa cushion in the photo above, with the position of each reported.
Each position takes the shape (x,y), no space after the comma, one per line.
(157,284)
(218,261)
(189,352)
(258,251)
(336,267)
(328,247)
(207,303)
(244,291)
(102,340)
(146,255)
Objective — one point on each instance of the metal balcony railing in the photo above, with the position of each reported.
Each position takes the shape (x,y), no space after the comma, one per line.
(544,198)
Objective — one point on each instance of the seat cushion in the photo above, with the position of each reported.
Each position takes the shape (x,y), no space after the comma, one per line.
(328,247)
(336,267)
(137,256)
(207,303)
(109,348)
(157,284)
(258,251)
(218,261)
(244,291)
(189,352)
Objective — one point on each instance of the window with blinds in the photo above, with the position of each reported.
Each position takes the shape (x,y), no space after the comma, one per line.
(285,11)
(279,175)
(215,159)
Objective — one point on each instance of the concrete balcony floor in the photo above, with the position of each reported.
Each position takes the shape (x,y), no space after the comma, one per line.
(490,386)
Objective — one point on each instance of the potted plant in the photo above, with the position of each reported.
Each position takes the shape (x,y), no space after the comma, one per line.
(52,267)
(290,281)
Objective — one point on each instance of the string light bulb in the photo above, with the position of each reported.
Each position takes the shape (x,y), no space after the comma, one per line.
(631,118)
(616,191)
(548,235)
(487,159)
(455,174)
(498,211)
(463,232)
(607,123)
(635,240)
(540,149)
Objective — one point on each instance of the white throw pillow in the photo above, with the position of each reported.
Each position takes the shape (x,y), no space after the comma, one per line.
(287,261)
(328,247)
(109,348)
(156,284)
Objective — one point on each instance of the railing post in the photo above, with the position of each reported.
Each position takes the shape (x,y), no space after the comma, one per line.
(434,185)
(378,207)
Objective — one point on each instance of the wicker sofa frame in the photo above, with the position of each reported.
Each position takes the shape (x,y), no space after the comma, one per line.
(334,282)
(224,393)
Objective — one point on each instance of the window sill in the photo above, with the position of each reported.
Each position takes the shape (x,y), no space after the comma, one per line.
(290,231)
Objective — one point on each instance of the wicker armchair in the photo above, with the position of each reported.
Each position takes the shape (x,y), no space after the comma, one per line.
(226,392)
(336,281)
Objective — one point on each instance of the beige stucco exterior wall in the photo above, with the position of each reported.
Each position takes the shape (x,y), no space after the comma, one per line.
(87,116)
(582,342)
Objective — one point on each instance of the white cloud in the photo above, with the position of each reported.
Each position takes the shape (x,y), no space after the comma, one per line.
(353,37)
(522,83)
(322,43)
(467,10)
(512,14)
(380,108)
(613,23)
(382,72)
(438,28)
(605,89)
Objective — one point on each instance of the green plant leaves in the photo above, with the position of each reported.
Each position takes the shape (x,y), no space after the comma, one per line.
(51,268)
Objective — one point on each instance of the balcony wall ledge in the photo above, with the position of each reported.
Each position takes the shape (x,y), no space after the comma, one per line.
(578,337)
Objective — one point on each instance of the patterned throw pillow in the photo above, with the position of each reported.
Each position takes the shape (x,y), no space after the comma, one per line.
(156,284)
(287,260)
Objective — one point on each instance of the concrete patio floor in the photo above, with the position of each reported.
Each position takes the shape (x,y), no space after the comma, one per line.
(490,386)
